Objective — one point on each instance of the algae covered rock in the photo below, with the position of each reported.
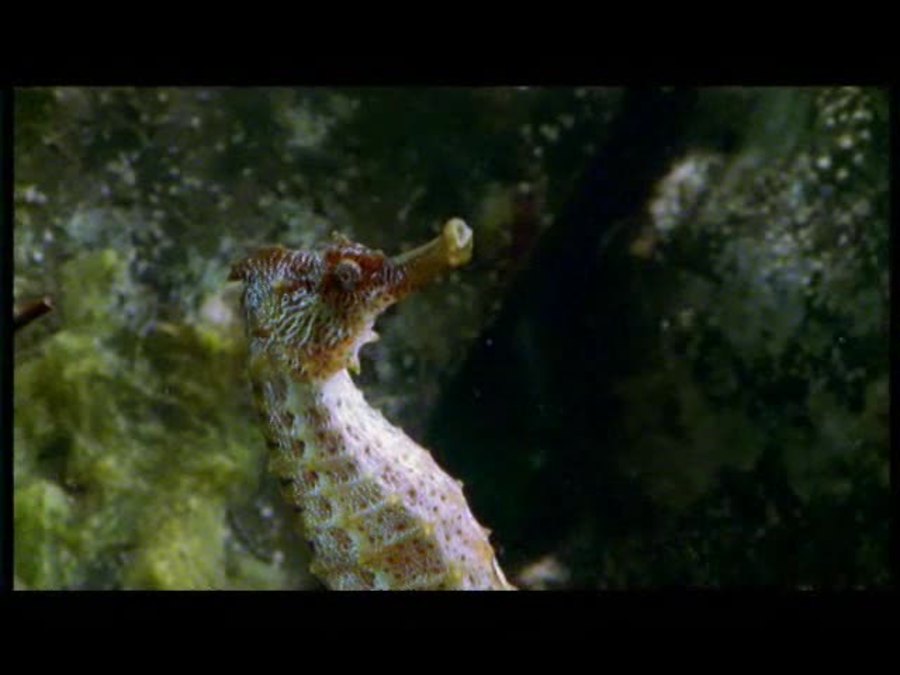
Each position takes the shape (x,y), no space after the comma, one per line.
(682,387)
(129,449)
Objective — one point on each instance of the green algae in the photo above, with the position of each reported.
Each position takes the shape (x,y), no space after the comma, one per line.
(129,449)
(47,548)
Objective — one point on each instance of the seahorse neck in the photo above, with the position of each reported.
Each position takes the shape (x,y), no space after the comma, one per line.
(336,394)
(335,418)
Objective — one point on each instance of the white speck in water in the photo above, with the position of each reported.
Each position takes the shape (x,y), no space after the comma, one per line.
(216,311)
(686,317)
(35,196)
(549,132)
(862,208)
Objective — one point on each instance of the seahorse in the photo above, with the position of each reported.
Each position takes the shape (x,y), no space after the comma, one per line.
(375,507)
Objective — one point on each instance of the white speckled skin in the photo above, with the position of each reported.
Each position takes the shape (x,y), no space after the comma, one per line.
(378,511)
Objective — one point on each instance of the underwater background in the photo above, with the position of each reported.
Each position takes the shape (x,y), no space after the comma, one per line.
(666,366)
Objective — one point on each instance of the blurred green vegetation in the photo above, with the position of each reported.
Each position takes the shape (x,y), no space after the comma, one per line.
(749,443)
(128,451)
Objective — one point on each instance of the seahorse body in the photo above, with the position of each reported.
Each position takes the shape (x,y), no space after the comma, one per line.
(376,508)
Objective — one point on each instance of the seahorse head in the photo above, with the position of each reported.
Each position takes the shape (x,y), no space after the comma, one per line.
(311,311)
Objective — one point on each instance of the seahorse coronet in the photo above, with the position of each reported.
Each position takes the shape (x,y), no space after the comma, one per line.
(378,511)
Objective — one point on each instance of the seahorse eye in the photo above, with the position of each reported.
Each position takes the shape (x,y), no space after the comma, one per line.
(348,273)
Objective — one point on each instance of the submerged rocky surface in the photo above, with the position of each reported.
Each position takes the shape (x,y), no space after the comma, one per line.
(684,382)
